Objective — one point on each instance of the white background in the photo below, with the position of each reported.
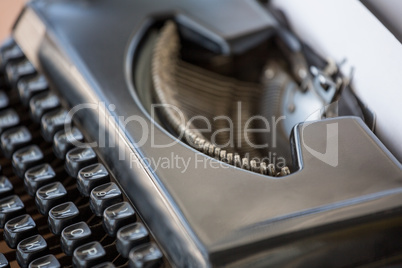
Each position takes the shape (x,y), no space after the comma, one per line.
(347,29)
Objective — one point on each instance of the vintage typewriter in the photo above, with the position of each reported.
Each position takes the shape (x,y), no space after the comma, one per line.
(139,134)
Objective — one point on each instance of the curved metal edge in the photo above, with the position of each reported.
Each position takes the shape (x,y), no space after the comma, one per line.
(144,189)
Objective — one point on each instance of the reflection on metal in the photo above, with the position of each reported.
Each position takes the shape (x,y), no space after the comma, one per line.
(287,99)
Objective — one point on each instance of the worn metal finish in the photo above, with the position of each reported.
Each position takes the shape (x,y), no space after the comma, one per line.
(211,216)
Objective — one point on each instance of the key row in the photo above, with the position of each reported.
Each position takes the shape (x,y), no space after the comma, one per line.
(64,219)
(40,181)
(14,137)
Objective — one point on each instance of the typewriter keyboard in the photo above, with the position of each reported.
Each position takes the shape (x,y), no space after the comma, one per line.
(60,206)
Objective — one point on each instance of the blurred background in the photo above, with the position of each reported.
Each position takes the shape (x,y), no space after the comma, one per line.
(9,10)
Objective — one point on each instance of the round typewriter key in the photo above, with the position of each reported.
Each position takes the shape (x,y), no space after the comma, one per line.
(30,249)
(104,196)
(116,216)
(38,176)
(49,196)
(53,121)
(42,103)
(79,158)
(19,228)
(73,236)
(63,142)
(91,177)
(26,158)
(131,236)
(147,255)
(48,261)
(89,255)
(31,86)
(10,207)
(62,216)
(14,139)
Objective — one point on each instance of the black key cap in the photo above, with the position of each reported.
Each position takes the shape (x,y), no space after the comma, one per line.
(105,265)
(14,139)
(10,207)
(26,158)
(19,228)
(37,177)
(62,216)
(30,249)
(78,158)
(89,255)
(104,196)
(9,51)
(62,142)
(73,236)
(52,122)
(49,196)
(4,262)
(8,119)
(31,86)
(131,236)
(117,216)
(6,188)
(91,177)
(4,101)
(17,70)
(41,104)
(48,261)
(147,255)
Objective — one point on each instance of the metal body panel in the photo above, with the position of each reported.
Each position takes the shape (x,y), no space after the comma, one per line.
(203,216)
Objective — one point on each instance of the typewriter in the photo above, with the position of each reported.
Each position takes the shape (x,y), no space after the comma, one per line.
(185,133)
